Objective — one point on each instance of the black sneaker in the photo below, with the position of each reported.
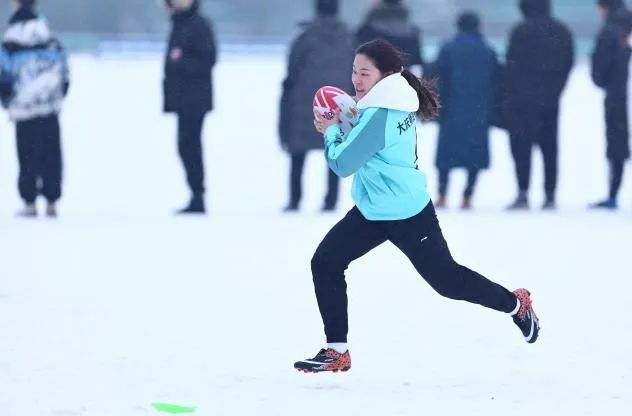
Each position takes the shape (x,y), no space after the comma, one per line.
(326,360)
(29,211)
(549,205)
(520,204)
(290,208)
(328,208)
(196,206)
(51,210)
(609,203)
(525,318)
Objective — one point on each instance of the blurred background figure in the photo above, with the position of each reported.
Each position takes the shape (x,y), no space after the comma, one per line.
(467,70)
(390,20)
(610,63)
(321,55)
(539,60)
(34,82)
(188,90)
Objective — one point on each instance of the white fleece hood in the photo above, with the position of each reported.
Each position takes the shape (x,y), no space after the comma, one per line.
(28,32)
(394,93)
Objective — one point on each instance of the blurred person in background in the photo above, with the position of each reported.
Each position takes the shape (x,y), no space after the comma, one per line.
(467,70)
(539,61)
(610,62)
(33,84)
(390,20)
(321,55)
(188,90)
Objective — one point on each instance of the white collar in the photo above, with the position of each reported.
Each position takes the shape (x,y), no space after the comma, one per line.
(392,92)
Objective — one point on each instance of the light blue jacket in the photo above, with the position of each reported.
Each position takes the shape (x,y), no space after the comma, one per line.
(381,153)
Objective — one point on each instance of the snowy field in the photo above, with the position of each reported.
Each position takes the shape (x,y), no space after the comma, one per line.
(119,304)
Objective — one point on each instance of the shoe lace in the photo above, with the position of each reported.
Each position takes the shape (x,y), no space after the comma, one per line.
(321,353)
(525,304)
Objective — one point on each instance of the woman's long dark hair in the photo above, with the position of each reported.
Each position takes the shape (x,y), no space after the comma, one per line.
(389,60)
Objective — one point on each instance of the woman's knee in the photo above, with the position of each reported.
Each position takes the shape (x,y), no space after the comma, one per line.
(323,264)
(447,282)
(319,263)
(451,291)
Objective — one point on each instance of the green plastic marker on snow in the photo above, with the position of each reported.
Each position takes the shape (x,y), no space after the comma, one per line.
(173,408)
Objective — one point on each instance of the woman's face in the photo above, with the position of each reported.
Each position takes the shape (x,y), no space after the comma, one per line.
(365,75)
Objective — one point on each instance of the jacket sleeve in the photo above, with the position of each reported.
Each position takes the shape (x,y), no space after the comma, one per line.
(63,57)
(442,70)
(200,54)
(515,50)
(497,105)
(346,156)
(295,64)
(417,53)
(6,77)
(284,118)
(602,58)
(296,60)
(570,55)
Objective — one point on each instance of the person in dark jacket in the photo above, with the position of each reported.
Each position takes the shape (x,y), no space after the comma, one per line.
(321,55)
(188,90)
(539,61)
(33,84)
(390,20)
(610,62)
(467,68)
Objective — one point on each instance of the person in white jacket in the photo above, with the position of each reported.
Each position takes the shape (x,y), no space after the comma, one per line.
(33,84)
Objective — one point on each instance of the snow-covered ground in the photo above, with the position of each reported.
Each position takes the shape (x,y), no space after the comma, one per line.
(118,303)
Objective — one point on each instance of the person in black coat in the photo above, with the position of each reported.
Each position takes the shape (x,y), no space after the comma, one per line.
(539,61)
(188,90)
(610,62)
(467,69)
(390,20)
(321,55)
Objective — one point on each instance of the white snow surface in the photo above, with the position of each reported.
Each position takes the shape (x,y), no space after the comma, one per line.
(118,304)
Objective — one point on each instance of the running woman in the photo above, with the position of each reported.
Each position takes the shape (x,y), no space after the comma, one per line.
(392,204)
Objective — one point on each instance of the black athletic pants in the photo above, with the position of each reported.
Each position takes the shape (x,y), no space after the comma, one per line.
(540,130)
(39,155)
(420,239)
(190,149)
(296,174)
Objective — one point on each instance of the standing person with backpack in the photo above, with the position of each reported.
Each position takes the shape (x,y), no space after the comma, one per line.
(33,85)
(610,71)
(188,89)
(392,204)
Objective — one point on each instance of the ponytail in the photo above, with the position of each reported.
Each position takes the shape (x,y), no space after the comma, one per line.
(428,97)
(389,60)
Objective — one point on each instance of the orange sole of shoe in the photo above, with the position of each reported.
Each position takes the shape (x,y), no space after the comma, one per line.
(342,370)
